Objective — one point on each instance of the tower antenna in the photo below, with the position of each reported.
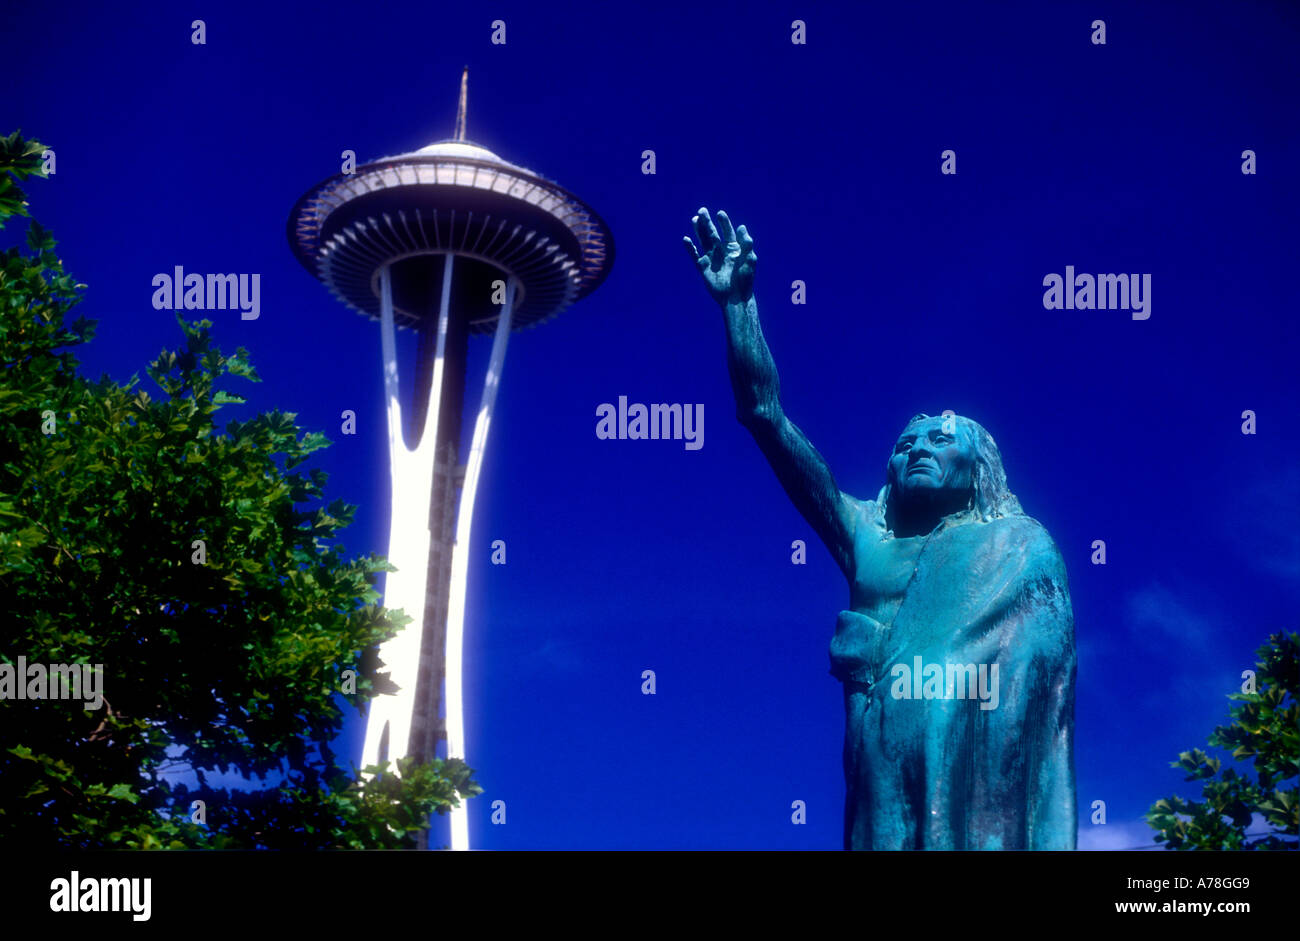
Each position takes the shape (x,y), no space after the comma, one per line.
(462,108)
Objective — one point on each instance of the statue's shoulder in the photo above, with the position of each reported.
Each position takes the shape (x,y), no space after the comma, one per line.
(1043,584)
(1029,539)
(1019,527)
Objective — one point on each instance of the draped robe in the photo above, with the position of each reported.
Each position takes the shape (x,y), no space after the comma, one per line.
(944,773)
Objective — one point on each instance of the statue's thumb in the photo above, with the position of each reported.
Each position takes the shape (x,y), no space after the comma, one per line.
(701,261)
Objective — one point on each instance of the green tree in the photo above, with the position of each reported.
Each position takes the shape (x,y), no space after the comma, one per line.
(232,660)
(1266,728)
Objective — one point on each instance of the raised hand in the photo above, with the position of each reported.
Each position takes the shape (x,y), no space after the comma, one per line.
(725,260)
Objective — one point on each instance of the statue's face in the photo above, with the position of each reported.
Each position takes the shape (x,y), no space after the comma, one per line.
(929,459)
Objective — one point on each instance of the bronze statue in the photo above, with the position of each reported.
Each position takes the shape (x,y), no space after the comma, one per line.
(957,651)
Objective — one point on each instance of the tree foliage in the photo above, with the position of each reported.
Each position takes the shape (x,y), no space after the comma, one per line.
(1266,729)
(234,664)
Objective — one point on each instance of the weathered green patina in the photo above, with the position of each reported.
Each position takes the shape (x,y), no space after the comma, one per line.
(957,651)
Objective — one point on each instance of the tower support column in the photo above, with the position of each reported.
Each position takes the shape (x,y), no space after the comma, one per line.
(411,477)
(461,554)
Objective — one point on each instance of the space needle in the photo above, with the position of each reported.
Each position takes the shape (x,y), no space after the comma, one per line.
(448,241)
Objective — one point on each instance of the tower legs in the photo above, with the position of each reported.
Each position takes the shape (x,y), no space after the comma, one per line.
(461,554)
(391,717)
(411,476)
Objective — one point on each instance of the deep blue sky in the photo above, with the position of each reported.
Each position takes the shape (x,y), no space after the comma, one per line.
(924,293)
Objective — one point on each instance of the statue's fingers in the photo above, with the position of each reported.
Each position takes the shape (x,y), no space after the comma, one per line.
(708,234)
(724,227)
(701,261)
(746,243)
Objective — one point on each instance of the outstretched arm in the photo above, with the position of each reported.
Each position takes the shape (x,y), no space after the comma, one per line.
(727,264)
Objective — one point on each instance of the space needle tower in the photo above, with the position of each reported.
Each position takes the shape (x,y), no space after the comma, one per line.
(447,241)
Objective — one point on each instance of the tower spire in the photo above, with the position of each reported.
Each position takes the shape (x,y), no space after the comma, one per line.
(462,108)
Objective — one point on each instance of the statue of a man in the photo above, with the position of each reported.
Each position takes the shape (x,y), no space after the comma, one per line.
(957,653)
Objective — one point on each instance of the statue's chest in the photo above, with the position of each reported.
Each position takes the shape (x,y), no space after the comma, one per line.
(884,571)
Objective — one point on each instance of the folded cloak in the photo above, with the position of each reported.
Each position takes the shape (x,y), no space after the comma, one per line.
(943,773)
